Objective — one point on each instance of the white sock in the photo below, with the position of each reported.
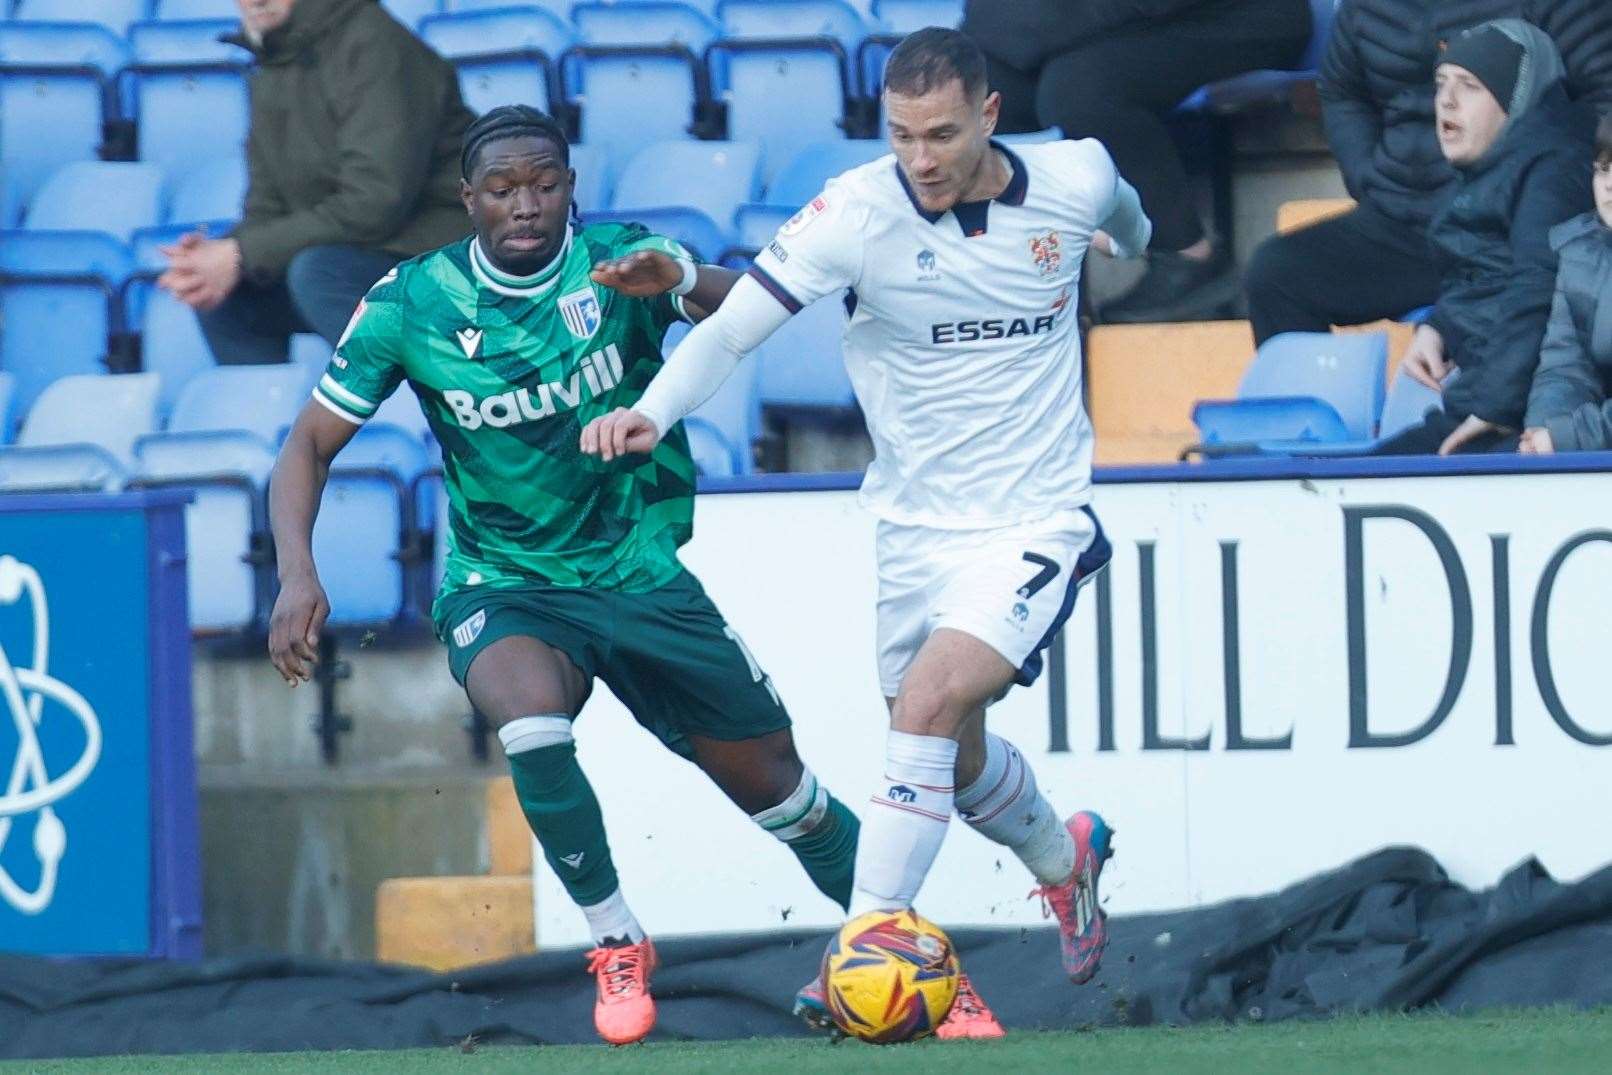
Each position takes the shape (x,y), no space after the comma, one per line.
(1004,806)
(902,831)
(611,920)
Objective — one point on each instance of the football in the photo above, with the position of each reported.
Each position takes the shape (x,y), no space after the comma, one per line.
(889,977)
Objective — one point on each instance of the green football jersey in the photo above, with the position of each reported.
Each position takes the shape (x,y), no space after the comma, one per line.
(508,371)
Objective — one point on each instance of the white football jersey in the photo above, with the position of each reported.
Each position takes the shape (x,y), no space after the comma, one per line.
(963,343)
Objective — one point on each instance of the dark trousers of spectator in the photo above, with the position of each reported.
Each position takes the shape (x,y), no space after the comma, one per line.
(1120,87)
(1354,268)
(320,291)
(1424,439)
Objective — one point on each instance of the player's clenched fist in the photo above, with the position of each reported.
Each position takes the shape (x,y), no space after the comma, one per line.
(299,615)
(621,432)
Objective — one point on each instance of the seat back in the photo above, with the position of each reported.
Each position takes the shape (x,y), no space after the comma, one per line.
(784,97)
(48,119)
(114,197)
(410,12)
(209,190)
(1268,418)
(806,173)
(115,15)
(792,18)
(262,400)
(629,99)
(593,177)
(185,41)
(714,455)
(649,22)
(51,327)
(188,114)
(801,365)
(196,9)
(1408,402)
(171,345)
(713,177)
(109,411)
(697,232)
(1348,371)
(8,394)
(905,16)
(732,409)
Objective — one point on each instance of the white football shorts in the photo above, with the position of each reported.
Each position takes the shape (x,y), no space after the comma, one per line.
(1012,587)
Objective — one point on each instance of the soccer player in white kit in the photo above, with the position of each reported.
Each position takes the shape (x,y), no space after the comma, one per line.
(959,260)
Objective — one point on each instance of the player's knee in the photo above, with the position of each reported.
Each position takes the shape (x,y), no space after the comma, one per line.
(929,708)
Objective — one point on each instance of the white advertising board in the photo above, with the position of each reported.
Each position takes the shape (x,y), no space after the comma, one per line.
(1274,677)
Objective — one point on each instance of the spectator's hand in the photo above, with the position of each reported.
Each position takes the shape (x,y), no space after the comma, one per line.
(1471,428)
(299,615)
(1424,358)
(1102,243)
(641,274)
(1536,442)
(202,271)
(621,432)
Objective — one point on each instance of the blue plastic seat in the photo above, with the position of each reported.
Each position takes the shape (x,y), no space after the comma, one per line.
(785,95)
(8,395)
(732,412)
(504,55)
(697,232)
(115,15)
(1261,87)
(196,9)
(631,95)
(714,178)
(800,367)
(649,22)
(190,95)
(593,177)
(1408,402)
(80,433)
(55,93)
(171,341)
(798,182)
(792,18)
(365,527)
(209,190)
(410,12)
(114,197)
(905,16)
(1303,386)
(560,9)
(220,444)
(714,455)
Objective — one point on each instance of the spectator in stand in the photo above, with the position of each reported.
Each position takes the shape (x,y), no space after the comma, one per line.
(353,165)
(1377,105)
(1568,408)
(1521,153)
(1114,70)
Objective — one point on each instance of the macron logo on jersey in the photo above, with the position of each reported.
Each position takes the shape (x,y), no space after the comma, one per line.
(599,373)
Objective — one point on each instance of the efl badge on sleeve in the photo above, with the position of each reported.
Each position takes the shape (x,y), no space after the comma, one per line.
(1044,250)
(798,222)
(580,309)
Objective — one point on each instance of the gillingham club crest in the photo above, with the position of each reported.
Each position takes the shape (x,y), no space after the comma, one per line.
(580,309)
(1044,250)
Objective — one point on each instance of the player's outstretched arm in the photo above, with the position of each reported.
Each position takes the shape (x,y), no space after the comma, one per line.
(1127,226)
(646,273)
(705,358)
(295,488)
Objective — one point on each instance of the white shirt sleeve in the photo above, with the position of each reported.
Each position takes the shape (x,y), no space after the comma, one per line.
(1119,208)
(817,252)
(710,352)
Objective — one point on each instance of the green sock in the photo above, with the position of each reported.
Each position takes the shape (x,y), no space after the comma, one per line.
(821,831)
(563,811)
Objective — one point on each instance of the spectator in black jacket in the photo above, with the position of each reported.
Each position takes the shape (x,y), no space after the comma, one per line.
(1377,104)
(1521,154)
(1113,70)
(1570,406)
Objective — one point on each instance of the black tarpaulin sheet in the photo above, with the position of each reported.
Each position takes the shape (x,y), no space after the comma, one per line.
(1389,931)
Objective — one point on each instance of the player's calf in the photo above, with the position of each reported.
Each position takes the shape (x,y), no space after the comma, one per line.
(822,833)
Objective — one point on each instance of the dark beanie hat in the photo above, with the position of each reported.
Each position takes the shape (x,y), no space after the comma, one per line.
(1491,56)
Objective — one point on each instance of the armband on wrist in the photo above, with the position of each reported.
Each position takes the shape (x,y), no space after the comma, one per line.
(691,276)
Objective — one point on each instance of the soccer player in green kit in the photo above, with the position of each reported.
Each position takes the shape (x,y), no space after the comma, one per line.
(561,568)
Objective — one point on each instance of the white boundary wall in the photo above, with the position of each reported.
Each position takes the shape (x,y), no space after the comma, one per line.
(1364,702)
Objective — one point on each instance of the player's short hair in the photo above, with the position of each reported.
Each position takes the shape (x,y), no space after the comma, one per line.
(929,58)
(510,121)
(1603,140)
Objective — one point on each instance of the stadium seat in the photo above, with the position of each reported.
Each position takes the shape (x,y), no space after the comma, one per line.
(800,367)
(905,16)
(792,18)
(503,55)
(593,177)
(697,232)
(1263,87)
(196,9)
(220,444)
(714,456)
(171,340)
(1030,138)
(115,15)
(786,95)
(1291,216)
(210,190)
(714,178)
(560,9)
(410,12)
(798,182)
(1324,386)
(364,533)
(55,84)
(80,433)
(57,305)
(113,197)
(1142,381)
(8,393)
(185,41)
(630,95)
(1407,403)
(646,22)
(190,95)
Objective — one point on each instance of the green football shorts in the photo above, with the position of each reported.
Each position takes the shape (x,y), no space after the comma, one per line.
(667,655)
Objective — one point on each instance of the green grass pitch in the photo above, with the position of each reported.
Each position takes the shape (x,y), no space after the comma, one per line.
(1554,1041)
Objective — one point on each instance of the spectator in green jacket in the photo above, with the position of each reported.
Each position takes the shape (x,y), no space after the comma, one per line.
(353,165)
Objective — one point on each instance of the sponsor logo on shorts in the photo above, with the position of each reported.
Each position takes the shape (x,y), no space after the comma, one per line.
(1021,612)
(900,793)
(468,631)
